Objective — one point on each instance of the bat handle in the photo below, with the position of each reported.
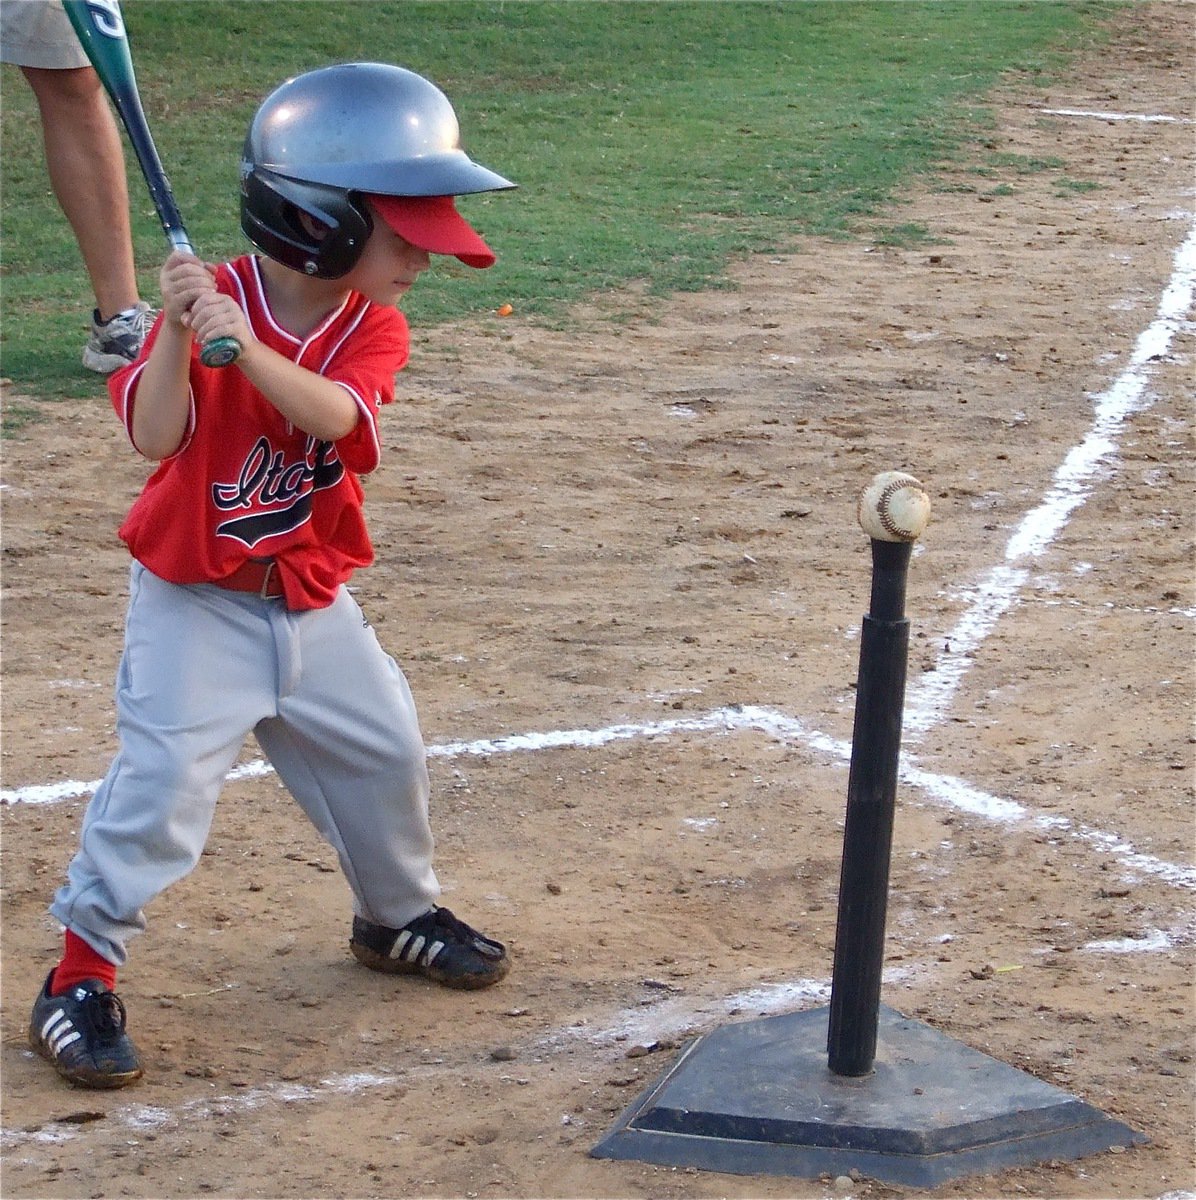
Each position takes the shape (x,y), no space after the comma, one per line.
(219,352)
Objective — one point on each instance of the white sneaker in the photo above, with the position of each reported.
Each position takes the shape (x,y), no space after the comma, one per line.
(118,341)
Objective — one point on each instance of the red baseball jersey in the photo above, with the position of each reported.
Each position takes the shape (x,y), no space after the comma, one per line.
(245,483)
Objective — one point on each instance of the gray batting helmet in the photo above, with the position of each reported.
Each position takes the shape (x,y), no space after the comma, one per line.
(322,141)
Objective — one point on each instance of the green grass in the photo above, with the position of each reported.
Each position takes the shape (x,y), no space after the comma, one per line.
(653,142)
(1064,186)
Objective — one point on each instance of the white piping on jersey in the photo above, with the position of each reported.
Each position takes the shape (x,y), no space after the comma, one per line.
(368,414)
(344,337)
(303,343)
(243,299)
(370,417)
(126,411)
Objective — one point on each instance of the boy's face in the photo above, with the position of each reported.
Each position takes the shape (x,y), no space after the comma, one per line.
(388,265)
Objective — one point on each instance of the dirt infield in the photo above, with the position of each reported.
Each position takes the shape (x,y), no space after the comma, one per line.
(621,569)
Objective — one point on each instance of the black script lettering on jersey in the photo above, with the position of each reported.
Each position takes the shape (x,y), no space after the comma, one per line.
(275,494)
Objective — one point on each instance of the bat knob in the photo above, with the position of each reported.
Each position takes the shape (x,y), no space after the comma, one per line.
(220,352)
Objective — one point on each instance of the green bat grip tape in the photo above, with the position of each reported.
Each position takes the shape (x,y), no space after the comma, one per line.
(220,352)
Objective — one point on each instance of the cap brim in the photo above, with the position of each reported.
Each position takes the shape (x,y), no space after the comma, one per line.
(433,223)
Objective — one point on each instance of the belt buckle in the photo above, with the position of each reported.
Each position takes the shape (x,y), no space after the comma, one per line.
(263,593)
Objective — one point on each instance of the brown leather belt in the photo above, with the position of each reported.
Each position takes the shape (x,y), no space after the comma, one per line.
(258,575)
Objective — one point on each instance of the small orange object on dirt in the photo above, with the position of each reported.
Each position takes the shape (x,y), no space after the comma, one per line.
(505,311)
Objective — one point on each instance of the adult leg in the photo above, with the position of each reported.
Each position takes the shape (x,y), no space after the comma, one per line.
(85,160)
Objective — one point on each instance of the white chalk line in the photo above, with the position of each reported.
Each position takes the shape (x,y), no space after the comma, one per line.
(1109,606)
(669,1016)
(1000,589)
(1145,118)
(675,1015)
(945,789)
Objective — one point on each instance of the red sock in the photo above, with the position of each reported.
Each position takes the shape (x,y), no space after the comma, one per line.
(80,962)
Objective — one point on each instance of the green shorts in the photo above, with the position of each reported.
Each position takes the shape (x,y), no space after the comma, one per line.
(38,33)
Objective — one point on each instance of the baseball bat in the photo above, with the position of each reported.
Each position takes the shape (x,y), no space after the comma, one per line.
(101,29)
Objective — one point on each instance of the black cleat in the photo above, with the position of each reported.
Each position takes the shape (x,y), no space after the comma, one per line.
(82,1032)
(436,945)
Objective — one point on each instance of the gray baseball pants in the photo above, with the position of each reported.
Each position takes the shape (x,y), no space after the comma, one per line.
(202,668)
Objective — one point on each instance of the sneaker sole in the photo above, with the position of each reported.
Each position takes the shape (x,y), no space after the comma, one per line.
(103,364)
(87,1079)
(394,966)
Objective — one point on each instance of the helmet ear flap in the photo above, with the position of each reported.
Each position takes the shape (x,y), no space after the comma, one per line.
(326,245)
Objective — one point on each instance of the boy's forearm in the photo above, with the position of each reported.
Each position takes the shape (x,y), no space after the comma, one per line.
(163,398)
(315,405)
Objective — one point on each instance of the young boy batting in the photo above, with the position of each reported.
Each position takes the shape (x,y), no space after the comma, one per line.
(245,536)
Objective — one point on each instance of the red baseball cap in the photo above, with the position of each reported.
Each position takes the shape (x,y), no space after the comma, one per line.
(433,223)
